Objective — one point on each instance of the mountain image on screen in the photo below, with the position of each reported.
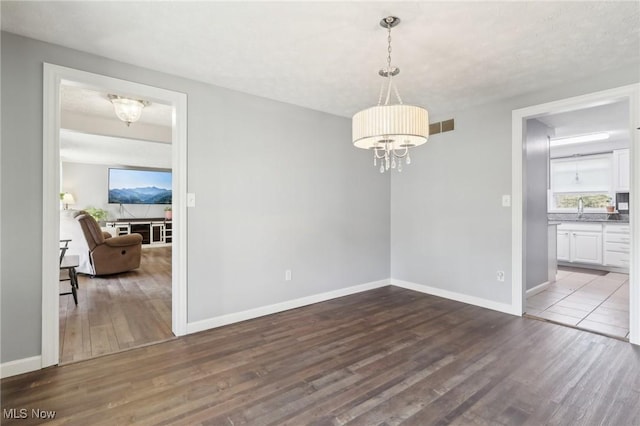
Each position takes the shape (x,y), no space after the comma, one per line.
(147,195)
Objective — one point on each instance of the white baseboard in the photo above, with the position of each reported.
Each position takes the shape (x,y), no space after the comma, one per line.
(19,366)
(13,368)
(538,289)
(206,324)
(464,298)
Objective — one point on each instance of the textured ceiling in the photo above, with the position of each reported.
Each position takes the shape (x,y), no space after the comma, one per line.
(91,102)
(612,118)
(325,55)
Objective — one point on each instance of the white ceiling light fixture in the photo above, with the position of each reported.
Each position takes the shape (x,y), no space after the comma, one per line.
(128,110)
(389,130)
(591,137)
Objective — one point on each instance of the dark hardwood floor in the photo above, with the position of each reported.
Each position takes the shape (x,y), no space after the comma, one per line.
(383,357)
(120,311)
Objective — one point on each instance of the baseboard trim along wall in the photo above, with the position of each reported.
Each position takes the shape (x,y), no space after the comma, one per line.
(459,297)
(538,289)
(206,324)
(19,366)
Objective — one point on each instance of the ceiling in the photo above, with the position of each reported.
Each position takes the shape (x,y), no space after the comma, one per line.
(91,133)
(612,118)
(87,148)
(325,55)
(90,102)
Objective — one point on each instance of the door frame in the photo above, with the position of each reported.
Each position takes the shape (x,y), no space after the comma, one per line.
(631,93)
(53,77)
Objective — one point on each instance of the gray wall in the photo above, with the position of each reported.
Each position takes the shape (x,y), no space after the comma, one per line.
(536,164)
(278,187)
(448,229)
(88,183)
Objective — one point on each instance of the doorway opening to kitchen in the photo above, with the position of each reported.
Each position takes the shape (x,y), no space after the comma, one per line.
(578,184)
(578,159)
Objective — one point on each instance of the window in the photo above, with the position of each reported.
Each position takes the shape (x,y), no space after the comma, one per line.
(588,177)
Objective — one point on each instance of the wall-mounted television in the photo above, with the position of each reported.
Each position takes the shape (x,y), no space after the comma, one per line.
(139,186)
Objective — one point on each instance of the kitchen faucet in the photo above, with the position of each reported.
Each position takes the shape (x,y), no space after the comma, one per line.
(580,207)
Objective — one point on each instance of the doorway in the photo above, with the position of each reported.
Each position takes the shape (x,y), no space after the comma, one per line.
(119,174)
(521,237)
(577,218)
(54,78)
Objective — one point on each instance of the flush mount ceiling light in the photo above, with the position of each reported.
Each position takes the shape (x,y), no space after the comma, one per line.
(390,130)
(128,110)
(591,137)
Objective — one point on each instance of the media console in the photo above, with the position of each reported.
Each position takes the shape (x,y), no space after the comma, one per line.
(154,231)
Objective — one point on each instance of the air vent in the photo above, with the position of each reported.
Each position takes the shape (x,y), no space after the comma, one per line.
(441,127)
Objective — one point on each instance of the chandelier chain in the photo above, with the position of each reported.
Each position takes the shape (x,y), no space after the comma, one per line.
(389,48)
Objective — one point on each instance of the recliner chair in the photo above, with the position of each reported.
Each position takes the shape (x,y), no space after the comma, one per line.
(110,255)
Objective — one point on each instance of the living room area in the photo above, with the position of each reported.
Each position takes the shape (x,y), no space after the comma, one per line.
(115,222)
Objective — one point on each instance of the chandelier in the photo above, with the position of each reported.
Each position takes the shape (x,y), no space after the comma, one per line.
(390,130)
(128,110)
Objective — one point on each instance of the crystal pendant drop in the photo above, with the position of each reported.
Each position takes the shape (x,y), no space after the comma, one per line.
(375,160)
(399,166)
(408,158)
(381,167)
(393,163)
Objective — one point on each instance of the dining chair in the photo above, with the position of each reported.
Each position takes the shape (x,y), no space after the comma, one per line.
(69,263)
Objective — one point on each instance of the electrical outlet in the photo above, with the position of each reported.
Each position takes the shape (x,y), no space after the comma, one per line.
(506,200)
(287,275)
(500,276)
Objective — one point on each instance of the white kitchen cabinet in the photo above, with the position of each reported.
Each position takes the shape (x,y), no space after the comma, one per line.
(617,245)
(563,246)
(621,170)
(605,244)
(580,243)
(586,247)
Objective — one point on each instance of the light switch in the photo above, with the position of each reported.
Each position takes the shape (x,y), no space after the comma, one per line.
(191,199)
(506,200)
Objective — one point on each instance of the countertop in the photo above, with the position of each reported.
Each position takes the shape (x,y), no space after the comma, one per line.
(589,217)
(557,221)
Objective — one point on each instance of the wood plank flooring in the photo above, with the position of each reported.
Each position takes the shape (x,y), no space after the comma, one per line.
(384,357)
(120,311)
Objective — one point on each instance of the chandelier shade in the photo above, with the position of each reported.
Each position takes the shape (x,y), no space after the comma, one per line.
(395,126)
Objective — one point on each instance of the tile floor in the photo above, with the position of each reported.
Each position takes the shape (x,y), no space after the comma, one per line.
(588,299)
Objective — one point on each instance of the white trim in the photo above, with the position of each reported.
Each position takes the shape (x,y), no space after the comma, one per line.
(517,215)
(20,366)
(53,76)
(634,216)
(50,214)
(630,93)
(206,324)
(538,289)
(460,297)
(179,220)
